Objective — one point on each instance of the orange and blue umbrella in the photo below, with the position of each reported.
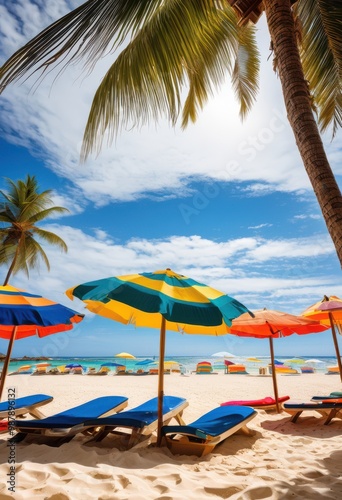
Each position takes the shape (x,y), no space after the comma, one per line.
(164,300)
(24,314)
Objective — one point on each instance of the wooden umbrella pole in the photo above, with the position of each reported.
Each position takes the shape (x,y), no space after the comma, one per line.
(333,331)
(274,376)
(7,360)
(161,380)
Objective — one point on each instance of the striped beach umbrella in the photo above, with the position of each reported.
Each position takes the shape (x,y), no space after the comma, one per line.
(24,314)
(329,312)
(270,324)
(164,300)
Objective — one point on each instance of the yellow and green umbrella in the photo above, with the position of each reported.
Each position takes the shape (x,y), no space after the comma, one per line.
(164,300)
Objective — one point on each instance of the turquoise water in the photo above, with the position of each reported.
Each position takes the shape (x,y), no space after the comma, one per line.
(189,362)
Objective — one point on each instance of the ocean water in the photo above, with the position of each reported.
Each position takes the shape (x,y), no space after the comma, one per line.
(188,362)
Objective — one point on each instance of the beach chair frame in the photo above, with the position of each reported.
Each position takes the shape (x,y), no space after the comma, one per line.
(328,410)
(62,426)
(198,442)
(27,405)
(134,429)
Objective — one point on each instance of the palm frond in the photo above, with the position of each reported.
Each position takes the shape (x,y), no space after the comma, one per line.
(85,33)
(146,80)
(321,54)
(7,251)
(43,214)
(34,253)
(246,71)
(22,207)
(217,46)
(6,214)
(50,237)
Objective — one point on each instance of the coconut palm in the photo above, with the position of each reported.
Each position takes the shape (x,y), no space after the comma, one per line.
(20,210)
(170,55)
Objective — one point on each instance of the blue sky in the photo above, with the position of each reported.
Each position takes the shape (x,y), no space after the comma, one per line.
(224,202)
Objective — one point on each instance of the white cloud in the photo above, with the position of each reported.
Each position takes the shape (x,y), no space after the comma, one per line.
(260,226)
(292,248)
(232,266)
(308,216)
(153,161)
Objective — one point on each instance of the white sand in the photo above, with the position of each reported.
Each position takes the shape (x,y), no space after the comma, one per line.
(282,461)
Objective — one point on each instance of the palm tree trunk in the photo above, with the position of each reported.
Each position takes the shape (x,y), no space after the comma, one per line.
(15,258)
(300,115)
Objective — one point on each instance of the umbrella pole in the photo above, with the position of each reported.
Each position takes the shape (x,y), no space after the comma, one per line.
(333,331)
(7,360)
(274,376)
(161,380)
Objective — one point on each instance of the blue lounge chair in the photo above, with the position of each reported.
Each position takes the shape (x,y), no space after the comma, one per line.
(332,395)
(201,436)
(21,406)
(27,404)
(66,424)
(326,408)
(140,422)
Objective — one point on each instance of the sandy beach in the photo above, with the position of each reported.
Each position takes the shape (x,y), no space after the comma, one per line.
(282,460)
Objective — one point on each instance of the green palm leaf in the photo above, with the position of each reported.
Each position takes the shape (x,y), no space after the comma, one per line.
(22,207)
(321,56)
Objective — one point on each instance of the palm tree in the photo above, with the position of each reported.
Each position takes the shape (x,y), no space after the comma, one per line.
(22,207)
(171,45)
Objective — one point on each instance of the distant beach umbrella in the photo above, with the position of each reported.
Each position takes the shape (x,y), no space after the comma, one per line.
(270,324)
(164,300)
(227,362)
(329,312)
(125,355)
(24,314)
(223,354)
(295,361)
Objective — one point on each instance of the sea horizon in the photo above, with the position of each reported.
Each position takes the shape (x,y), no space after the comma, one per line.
(187,361)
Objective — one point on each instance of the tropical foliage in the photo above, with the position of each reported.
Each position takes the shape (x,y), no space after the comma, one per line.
(21,208)
(171,55)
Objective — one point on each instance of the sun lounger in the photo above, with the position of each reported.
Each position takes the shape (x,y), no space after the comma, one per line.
(59,370)
(205,368)
(66,424)
(332,395)
(23,370)
(27,404)
(41,370)
(307,369)
(326,408)
(139,422)
(333,370)
(20,407)
(200,437)
(237,370)
(104,370)
(266,403)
